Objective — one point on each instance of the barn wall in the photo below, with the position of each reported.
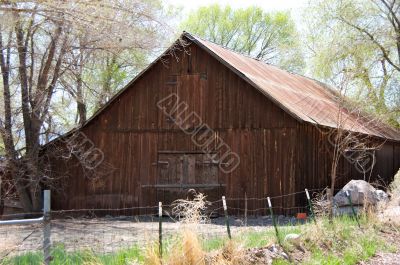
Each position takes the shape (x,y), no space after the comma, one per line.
(387,162)
(315,159)
(278,155)
(132,131)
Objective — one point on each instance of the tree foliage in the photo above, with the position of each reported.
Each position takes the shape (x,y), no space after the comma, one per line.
(47,49)
(359,39)
(270,37)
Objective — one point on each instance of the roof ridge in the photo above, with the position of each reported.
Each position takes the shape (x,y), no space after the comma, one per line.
(227,48)
(258,60)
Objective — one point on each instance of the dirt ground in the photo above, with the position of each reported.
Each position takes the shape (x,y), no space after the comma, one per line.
(104,235)
(385,259)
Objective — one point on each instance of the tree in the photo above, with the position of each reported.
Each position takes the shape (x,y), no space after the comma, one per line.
(270,37)
(43,43)
(359,39)
(96,75)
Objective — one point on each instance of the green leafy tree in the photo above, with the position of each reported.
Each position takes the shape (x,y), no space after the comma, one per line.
(270,37)
(359,40)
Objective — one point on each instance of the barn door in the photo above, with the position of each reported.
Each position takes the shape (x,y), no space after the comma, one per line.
(179,173)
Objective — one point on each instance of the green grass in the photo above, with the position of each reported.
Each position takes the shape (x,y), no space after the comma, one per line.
(62,257)
(214,243)
(29,258)
(343,242)
(329,243)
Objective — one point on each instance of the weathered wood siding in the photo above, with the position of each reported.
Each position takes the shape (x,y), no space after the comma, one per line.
(315,160)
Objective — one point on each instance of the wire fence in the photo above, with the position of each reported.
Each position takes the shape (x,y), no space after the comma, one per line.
(110,234)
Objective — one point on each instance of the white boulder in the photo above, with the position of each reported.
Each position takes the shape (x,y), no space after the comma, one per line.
(361,193)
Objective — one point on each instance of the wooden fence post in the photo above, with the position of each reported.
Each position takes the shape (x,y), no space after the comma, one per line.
(46,227)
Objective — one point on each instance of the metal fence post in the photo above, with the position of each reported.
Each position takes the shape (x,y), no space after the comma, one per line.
(1,200)
(310,206)
(46,227)
(352,207)
(273,219)
(228,229)
(160,228)
(245,209)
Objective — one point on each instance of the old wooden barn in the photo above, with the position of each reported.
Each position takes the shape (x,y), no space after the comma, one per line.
(206,118)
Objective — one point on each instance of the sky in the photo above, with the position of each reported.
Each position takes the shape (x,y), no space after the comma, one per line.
(267,5)
(295,6)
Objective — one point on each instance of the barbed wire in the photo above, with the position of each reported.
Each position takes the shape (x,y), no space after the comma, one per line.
(109,238)
(154,208)
(140,218)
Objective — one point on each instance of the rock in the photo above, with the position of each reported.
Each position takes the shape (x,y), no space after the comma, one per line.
(294,239)
(273,249)
(285,256)
(361,193)
(239,222)
(346,210)
(381,196)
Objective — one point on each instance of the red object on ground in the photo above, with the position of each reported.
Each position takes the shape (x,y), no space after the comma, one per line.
(302,216)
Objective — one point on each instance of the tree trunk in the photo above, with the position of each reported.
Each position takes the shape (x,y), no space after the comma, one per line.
(7,135)
(398,47)
(81,106)
(330,191)
(32,126)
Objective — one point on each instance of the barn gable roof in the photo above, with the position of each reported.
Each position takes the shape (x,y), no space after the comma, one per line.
(303,98)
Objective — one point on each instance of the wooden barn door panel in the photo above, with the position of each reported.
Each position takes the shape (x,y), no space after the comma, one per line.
(169,171)
(206,172)
(178,173)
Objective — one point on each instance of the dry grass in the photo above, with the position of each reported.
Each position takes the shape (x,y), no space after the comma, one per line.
(191,211)
(389,213)
(186,248)
(188,251)
(395,185)
(152,255)
(394,190)
(321,205)
(231,254)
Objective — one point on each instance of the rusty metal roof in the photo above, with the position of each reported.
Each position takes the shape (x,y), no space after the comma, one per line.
(304,98)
